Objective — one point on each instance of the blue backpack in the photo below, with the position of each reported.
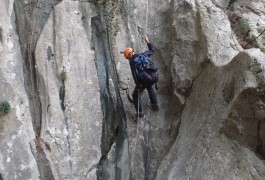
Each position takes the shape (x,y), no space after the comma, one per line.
(146,70)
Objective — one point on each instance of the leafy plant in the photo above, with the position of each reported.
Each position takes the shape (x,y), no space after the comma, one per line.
(4,108)
(231,2)
(242,27)
(1,31)
(253,40)
(63,74)
(245,36)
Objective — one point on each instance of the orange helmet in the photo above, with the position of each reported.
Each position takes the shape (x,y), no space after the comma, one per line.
(127,51)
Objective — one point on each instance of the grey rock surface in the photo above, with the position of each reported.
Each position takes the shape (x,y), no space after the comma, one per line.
(16,132)
(223,133)
(65,79)
(70,97)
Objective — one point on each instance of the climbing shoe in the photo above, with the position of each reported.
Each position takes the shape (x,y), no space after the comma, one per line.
(155,107)
(141,115)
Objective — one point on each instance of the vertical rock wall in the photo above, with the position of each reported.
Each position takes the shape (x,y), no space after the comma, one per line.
(64,76)
(69,93)
(223,133)
(16,130)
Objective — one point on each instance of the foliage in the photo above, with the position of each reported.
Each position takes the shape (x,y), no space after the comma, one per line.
(231,2)
(1,36)
(63,74)
(256,41)
(4,108)
(242,27)
(244,34)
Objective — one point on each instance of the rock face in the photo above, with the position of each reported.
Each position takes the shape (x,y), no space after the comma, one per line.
(65,79)
(224,132)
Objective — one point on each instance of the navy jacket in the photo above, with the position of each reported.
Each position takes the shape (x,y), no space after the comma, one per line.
(148,53)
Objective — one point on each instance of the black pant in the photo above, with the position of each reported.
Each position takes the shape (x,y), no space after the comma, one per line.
(137,92)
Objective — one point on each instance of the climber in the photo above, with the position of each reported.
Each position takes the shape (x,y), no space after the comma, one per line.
(140,85)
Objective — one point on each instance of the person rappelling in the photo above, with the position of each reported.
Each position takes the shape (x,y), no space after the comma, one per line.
(145,75)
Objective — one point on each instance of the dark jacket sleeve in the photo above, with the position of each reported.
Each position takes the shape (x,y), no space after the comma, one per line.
(134,72)
(150,51)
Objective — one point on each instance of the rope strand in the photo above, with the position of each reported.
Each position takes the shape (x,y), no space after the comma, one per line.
(146,17)
(137,129)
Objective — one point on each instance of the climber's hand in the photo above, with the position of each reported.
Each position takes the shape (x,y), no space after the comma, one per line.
(146,39)
(139,87)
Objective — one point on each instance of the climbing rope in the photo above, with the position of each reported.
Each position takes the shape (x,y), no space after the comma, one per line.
(147,156)
(128,95)
(138,105)
(147,142)
(146,160)
(146,16)
(137,129)
(154,22)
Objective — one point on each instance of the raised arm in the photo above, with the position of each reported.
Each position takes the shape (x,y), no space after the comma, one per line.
(151,49)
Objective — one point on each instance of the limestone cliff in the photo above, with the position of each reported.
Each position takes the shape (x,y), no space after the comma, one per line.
(65,80)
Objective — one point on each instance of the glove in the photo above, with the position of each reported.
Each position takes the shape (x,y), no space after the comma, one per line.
(139,87)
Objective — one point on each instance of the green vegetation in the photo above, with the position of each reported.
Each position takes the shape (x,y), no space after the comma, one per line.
(232,1)
(63,74)
(1,36)
(243,32)
(4,108)
(242,27)
(62,88)
(256,41)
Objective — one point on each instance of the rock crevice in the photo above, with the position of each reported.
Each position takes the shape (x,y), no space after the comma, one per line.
(64,75)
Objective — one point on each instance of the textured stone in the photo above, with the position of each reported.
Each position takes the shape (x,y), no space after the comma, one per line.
(64,75)
(248,22)
(17,160)
(71,124)
(222,135)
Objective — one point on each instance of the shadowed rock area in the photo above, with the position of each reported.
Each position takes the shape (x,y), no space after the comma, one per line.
(64,76)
